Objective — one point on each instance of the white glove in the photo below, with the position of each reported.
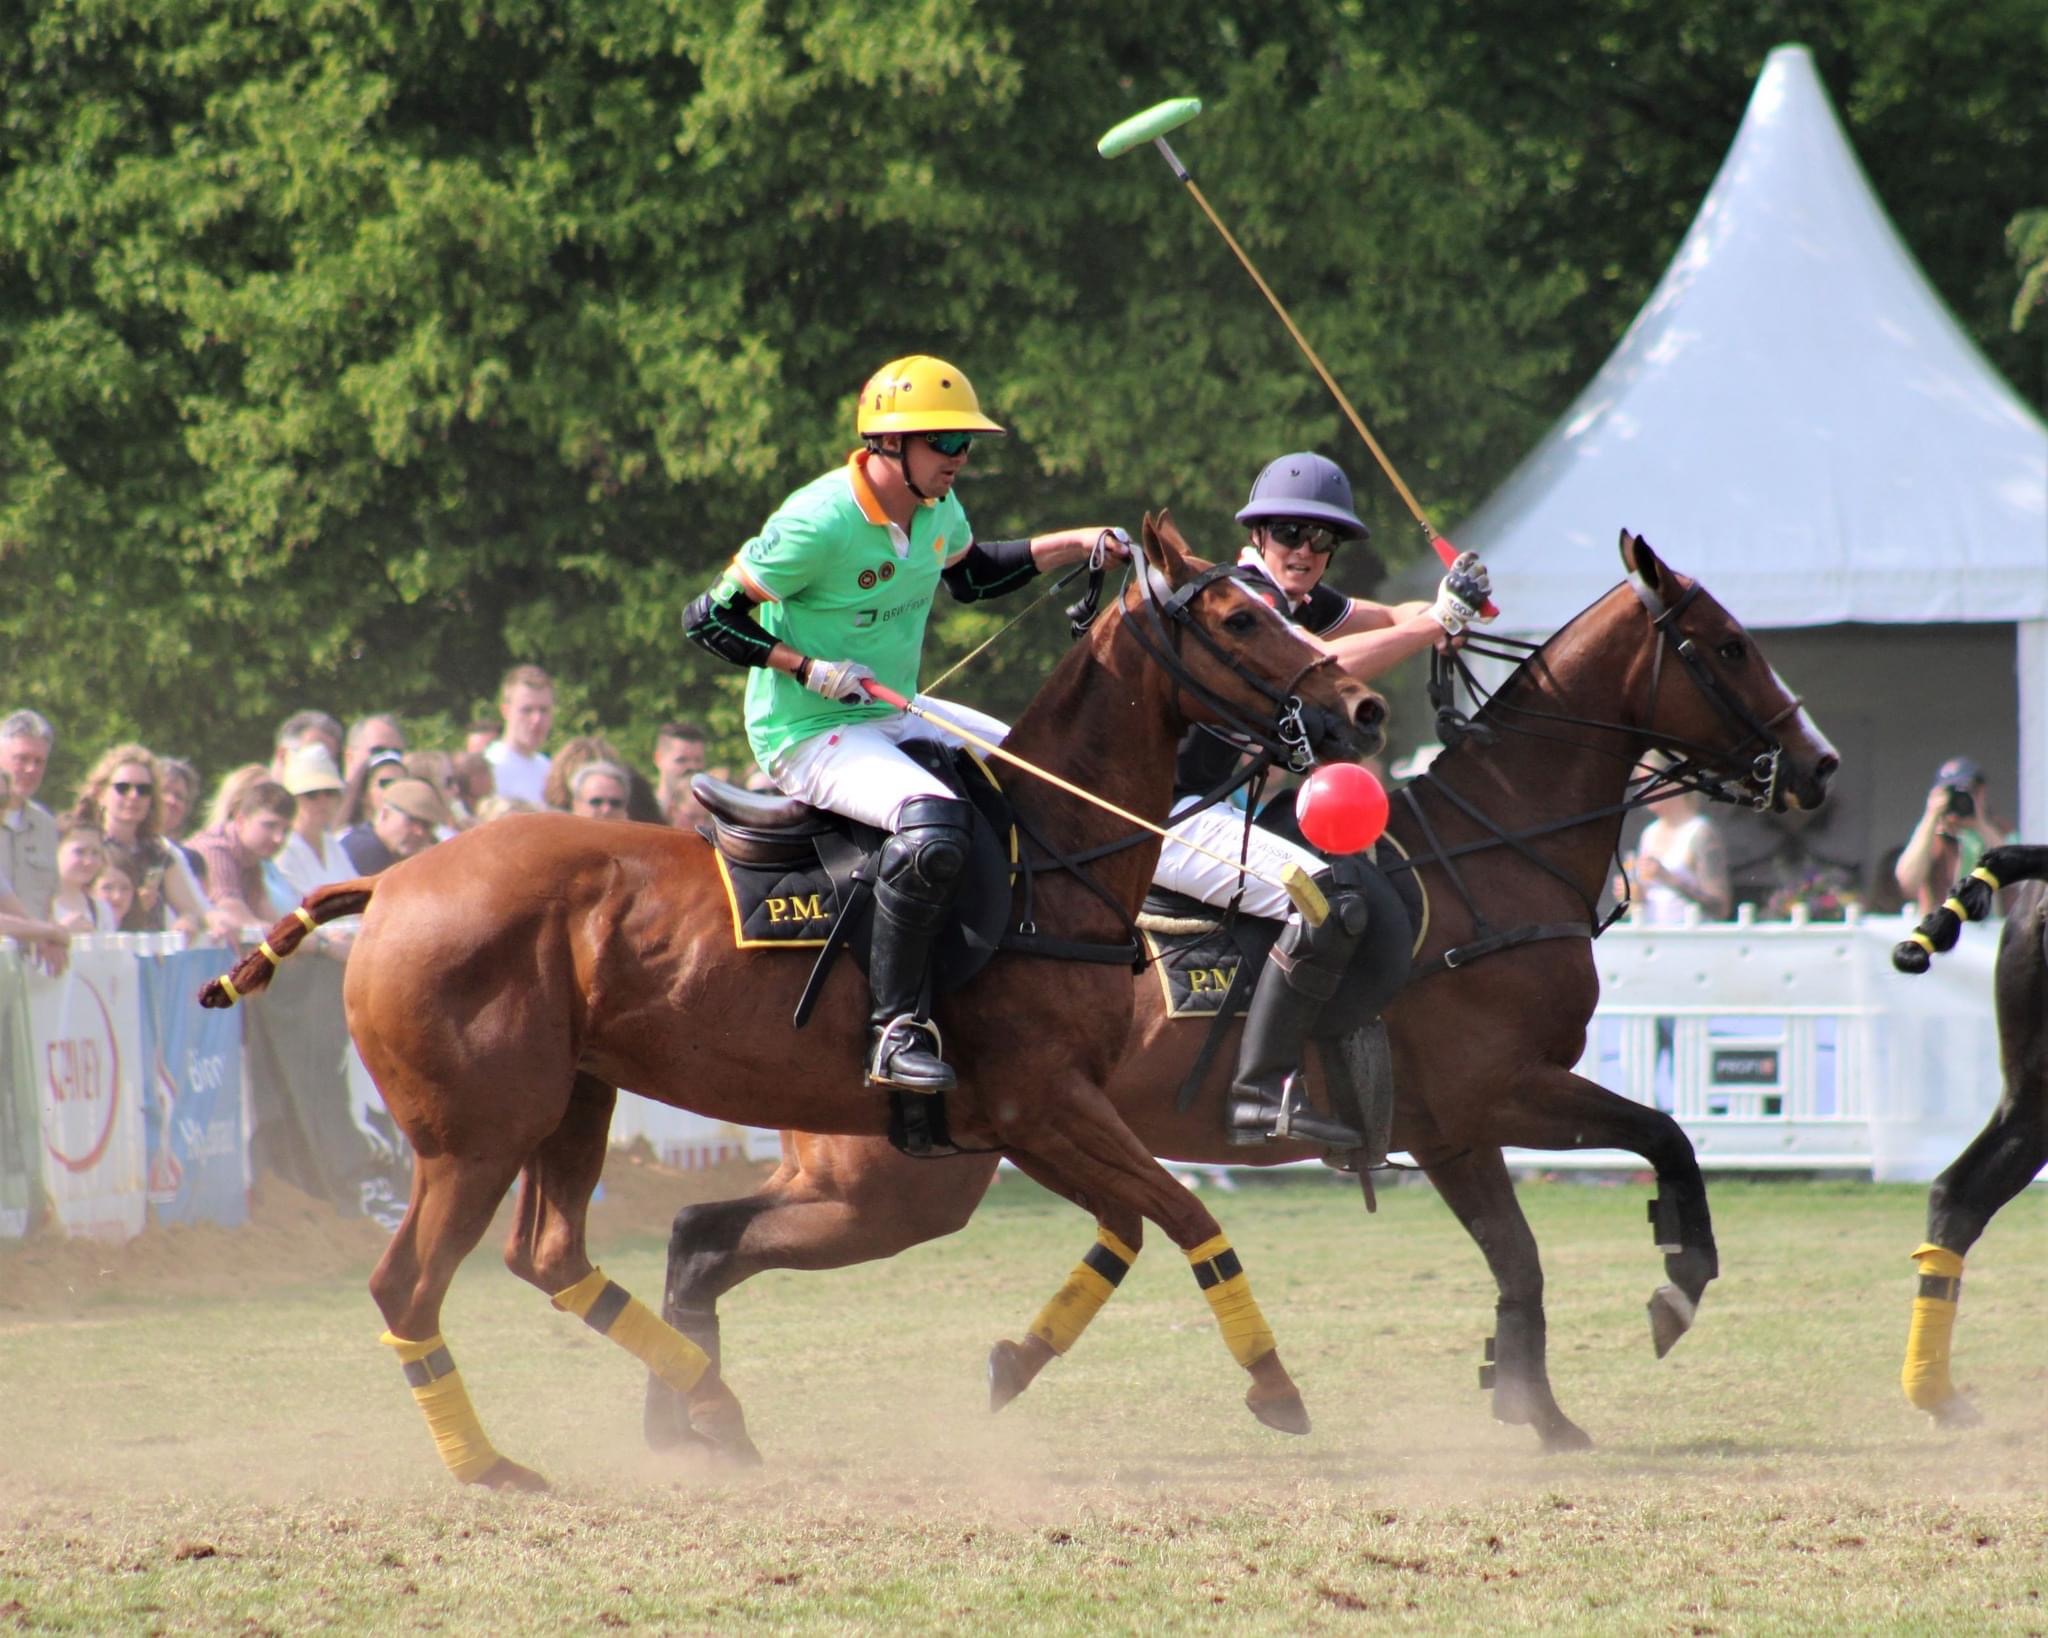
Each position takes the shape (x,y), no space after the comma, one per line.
(1462,594)
(837,680)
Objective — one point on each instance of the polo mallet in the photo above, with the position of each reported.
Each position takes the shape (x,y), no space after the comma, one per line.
(1295,882)
(1152,126)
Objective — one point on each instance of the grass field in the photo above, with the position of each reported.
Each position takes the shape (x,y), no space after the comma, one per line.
(250,1463)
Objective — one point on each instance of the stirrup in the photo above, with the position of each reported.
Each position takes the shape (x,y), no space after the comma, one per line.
(1287,1119)
(908,1036)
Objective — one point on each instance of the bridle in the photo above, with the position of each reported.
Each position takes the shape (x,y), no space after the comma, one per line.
(1159,618)
(1696,768)
(1766,767)
(1164,619)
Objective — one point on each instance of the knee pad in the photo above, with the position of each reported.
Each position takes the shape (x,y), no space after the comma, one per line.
(928,851)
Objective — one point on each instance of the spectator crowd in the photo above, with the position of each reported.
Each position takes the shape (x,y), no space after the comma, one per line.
(133,851)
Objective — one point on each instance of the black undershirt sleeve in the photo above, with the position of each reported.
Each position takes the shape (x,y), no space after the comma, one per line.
(990,569)
(722,620)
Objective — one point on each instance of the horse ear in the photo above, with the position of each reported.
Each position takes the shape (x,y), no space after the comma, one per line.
(1643,565)
(1164,547)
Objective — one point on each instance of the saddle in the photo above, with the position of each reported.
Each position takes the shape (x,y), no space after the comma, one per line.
(1208,965)
(799,877)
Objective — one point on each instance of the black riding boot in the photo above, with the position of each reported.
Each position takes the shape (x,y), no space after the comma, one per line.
(1302,972)
(918,876)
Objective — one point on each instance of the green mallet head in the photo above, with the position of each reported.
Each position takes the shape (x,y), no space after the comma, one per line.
(1152,124)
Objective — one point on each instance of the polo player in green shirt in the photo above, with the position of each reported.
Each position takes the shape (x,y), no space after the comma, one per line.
(835,591)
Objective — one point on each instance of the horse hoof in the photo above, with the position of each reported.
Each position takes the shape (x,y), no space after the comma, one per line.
(1564,1437)
(1956,1413)
(719,1431)
(505,1474)
(1013,1367)
(1671,1315)
(1284,1413)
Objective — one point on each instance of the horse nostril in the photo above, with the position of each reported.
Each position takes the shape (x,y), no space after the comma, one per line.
(1824,770)
(1372,713)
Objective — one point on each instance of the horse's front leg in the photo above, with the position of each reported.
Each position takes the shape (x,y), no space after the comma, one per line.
(1074,1143)
(1556,1109)
(1474,1183)
(834,1202)
(1119,1236)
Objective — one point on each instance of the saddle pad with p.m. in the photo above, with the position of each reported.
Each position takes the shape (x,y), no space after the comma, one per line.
(1204,965)
(787,886)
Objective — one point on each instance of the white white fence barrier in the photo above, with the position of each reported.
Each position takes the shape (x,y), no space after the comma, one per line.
(1795,1046)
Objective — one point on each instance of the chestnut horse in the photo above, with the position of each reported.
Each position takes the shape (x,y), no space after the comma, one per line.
(2006,1156)
(1484,1044)
(507,982)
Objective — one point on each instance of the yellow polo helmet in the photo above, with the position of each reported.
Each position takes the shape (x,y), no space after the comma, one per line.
(920,394)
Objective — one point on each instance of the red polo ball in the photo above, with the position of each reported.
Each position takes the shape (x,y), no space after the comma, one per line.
(1341,808)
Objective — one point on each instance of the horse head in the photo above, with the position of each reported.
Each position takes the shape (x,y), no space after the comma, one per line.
(1713,699)
(1237,664)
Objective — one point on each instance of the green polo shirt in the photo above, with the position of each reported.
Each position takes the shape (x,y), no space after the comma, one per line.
(836,580)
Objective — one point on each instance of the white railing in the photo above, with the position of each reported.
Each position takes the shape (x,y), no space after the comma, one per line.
(1794,1044)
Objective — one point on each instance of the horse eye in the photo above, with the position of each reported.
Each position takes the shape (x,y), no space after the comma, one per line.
(1240,621)
(1734,651)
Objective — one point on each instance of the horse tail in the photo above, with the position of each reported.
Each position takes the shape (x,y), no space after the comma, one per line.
(251,975)
(1971,901)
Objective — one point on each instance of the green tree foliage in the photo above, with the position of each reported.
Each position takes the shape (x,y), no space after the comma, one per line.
(355,349)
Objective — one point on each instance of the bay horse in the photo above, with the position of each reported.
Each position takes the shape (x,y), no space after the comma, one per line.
(506,982)
(1483,1049)
(2009,1153)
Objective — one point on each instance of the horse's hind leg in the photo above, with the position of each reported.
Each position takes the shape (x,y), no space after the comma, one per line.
(834,1202)
(1475,1184)
(453,1198)
(1999,1162)
(547,1249)
(1014,1366)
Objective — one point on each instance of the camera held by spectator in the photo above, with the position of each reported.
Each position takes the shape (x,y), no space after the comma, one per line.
(1955,830)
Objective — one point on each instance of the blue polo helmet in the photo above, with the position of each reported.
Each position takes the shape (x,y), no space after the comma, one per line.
(1307,486)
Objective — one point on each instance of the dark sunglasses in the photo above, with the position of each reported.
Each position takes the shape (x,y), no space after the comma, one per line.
(1289,534)
(384,782)
(950,443)
(604,801)
(123,788)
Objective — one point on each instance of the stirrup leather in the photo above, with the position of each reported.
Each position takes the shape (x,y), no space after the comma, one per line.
(907,1032)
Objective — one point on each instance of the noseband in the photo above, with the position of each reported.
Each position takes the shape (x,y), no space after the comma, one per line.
(1168,618)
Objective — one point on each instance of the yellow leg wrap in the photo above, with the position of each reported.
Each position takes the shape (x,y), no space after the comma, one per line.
(608,1309)
(1095,1278)
(438,1391)
(1925,1376)
(1229,1290)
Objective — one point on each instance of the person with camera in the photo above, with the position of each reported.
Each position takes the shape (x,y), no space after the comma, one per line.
(1954,832)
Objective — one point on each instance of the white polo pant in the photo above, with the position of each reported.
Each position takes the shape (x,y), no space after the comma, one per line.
(858,771)
(1221,830)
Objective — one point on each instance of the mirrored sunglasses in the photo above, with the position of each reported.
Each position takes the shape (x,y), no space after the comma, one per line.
(1288,533)
(950,443)
(123,787)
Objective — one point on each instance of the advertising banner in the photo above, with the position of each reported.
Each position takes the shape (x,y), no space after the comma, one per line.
(86,1050)
(21,1166)
(198,1152)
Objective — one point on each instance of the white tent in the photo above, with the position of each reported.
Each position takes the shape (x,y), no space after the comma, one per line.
(1796,418)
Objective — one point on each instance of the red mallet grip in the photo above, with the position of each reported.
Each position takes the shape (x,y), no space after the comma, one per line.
(1449,553)
(884,693)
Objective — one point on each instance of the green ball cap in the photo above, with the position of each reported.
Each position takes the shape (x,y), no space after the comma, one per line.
(1155,121)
